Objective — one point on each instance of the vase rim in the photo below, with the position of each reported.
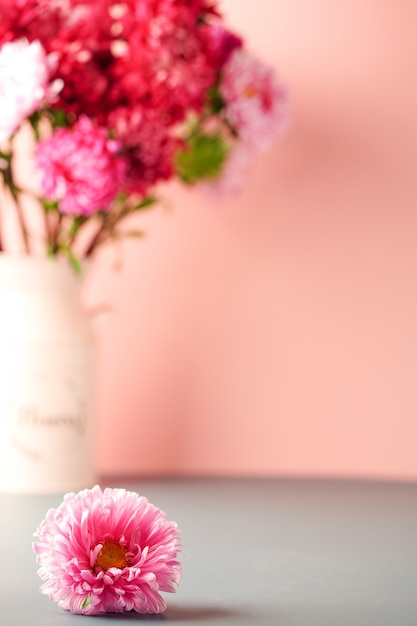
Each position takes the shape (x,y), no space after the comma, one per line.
(33,273)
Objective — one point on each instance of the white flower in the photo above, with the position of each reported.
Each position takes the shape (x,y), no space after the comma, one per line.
(24,83)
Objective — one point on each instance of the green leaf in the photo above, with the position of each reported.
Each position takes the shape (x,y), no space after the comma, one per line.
(216,102)
(86,602)
(49,205)
(122,196)
(34,120)
(202,158)
(59,118)
(117,235)
(77,222)
(51,250)
(6,156)
(146,202)
(74,262)
(134,233)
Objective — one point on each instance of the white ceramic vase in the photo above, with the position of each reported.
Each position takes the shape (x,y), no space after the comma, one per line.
(47,382)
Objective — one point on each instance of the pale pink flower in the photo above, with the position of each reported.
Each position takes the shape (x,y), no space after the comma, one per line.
(107,551)
(234,173)
(80,168)
(24,86)
(256,104)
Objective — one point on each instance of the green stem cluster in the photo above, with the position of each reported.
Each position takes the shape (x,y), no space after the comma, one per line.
(61,231)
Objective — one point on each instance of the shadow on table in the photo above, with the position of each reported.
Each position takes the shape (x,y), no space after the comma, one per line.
(199,613)
(179,613)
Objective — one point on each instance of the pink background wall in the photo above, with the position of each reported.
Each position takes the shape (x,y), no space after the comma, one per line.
(276,332)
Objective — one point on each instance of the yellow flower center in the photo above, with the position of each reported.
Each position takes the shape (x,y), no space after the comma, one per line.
(249,91)
(111,555)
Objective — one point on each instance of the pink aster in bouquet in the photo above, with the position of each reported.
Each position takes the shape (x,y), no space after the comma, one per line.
(121,96)
(107,551)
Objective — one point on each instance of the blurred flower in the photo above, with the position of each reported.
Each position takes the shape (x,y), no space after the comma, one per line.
(234,172)
(24,83)
(221,43)
(148,147)
(80,168)
(107,551)
(121,96)
(257,105)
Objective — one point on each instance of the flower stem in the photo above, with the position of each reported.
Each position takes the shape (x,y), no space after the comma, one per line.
(22,225)
(54,237)
(99,237)
(107,228)
(48,235)
(7,174)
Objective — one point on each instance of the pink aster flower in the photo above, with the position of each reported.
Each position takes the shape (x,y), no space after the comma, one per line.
(257,105)
(24,76)
(80,168)
(107,551)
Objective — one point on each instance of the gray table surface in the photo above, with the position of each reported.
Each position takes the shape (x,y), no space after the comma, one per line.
(257,551)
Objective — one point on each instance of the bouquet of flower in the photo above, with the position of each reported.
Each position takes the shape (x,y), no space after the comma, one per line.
(118,97)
